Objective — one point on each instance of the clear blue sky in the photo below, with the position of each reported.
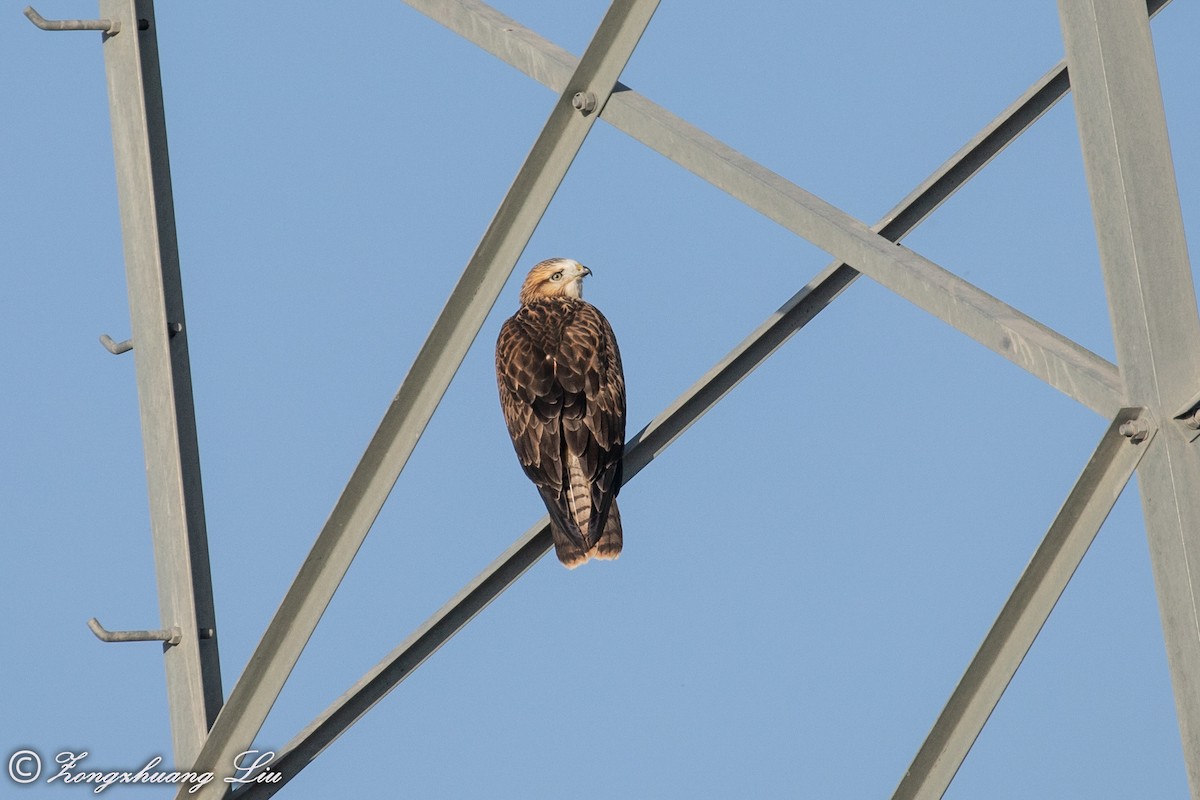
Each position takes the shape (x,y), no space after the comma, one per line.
(807,571)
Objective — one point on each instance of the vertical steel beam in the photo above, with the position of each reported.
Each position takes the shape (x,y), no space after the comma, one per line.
(572,118)
(1027,609)
(163,372)
(1152,301)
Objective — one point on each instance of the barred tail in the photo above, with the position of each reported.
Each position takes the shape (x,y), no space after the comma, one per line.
(608,546)
(576,546)
(579,497)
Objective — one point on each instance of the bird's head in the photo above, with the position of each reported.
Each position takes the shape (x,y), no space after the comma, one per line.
(554,277)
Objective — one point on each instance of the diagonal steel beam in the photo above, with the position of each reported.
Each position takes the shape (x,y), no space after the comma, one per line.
(673,421)
(403,660)
(1050,356)
(1028,608)
(505,570)
(422,389)
(1063,364)
(489,584)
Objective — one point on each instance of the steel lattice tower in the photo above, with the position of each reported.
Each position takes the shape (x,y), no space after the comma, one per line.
(1151,395)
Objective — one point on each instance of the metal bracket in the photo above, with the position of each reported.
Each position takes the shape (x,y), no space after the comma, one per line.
(110,26)
(116,348)
(171,635)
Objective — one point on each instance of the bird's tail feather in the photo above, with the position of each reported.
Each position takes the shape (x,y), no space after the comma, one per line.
(578,493)
(608,546)
(568,548)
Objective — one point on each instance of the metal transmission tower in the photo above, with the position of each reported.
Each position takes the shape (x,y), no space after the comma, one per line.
(1151,396)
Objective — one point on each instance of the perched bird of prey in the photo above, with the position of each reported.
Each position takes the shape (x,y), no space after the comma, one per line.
(563,395)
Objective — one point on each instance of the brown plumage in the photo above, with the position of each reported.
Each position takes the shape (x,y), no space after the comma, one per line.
(563,396)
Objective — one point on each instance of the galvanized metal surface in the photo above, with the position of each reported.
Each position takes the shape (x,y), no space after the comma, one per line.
(1152,300)
(1026,611)
(163,372)
(422,389)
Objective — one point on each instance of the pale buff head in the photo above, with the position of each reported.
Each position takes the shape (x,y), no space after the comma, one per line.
(554,277)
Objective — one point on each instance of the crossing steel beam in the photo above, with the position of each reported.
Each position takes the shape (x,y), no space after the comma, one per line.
(1062,363)
(584,95)
(163,369)
(1119,452)
(1152,302)
(667,427)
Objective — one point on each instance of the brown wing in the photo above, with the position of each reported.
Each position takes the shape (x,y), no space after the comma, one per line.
(562,391)
(593,412)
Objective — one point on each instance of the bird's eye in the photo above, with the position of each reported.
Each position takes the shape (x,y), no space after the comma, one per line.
(556,276)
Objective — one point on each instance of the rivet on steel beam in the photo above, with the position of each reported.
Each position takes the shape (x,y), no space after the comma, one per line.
(169,635)
(110,26)
(1134,430)
(584,102)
